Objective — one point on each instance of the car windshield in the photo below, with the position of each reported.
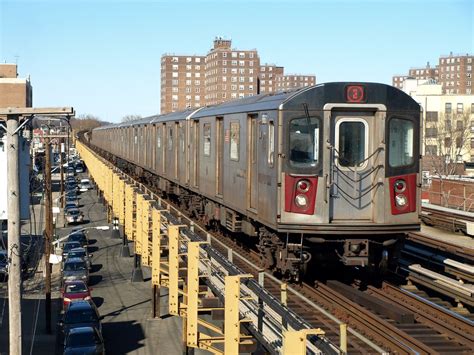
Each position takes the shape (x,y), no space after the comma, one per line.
(80,316)
(69,246)
(73,212)
(82,339)
(74,266)
(76,237)
(76,254)
(76,288)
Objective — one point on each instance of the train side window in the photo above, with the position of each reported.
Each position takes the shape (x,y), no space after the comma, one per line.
(207,139)
(170,138)
(234,141)
(271,143)
(158,137)
(401,142)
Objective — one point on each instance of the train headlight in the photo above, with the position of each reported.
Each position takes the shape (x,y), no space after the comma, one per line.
(303,185)
(301,201)
(400,186)
(401,200)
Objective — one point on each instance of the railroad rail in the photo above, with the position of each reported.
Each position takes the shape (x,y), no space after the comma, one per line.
(448,218)
(442,245)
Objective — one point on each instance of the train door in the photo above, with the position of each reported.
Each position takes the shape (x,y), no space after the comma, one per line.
(164,147)
(351,171)
(252,170)
(220,155)
(195,150)
(175,147)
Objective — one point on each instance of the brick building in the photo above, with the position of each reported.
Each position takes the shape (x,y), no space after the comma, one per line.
(223,74)
(453,72)
(230,73)
(14,91)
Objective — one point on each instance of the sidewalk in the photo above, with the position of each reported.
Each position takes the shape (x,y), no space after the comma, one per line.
(35,339)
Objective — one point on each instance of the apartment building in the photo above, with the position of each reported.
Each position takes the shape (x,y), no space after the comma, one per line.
(14,91)
(268,77)
(230,73)
(224,74)
(454,73)
(182,82)
(448,123)
(294,81)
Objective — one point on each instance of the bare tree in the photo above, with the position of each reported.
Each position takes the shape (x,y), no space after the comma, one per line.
(447,143)
(128,118)
(86,122)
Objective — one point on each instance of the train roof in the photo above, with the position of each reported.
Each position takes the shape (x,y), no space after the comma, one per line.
(315,97)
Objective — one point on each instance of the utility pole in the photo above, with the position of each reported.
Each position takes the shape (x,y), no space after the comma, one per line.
(48,232)
(14,252)
(61,172)
(13,115)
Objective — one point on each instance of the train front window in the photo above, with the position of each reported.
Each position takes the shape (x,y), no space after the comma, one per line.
(351,145)
(304,141)
(401,142)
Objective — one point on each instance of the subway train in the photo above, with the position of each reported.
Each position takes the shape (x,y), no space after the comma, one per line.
(330,170)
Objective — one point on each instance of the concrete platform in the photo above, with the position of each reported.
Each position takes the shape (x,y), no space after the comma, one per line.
(449,237)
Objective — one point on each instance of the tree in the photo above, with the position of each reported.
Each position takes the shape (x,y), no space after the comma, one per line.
(447,142)
(128,118)
(86,122)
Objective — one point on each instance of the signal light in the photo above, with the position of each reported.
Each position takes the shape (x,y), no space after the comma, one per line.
(301,201)
(303,185)
(400,186)
(401,200)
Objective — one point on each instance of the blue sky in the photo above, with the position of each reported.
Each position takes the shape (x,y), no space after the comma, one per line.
(103,56)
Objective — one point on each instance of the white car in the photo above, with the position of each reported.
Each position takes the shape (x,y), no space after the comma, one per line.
(85,185)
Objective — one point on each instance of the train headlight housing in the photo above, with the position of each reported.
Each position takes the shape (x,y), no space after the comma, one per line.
(303,185)
(301,201)
(401,200)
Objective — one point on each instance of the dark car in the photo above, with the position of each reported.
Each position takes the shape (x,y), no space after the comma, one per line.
(68,246)
(80,314)
(81,253)
(74,291)
(84,340)
(3,265)
(71,199)
(75,269)
(80,237)
(69,206)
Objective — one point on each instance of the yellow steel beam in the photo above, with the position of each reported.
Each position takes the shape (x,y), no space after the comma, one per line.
(173,289)
(193,294)
(294,341)
(138,223)
(156,247)
(146,204)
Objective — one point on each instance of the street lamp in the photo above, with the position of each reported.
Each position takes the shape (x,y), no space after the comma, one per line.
(101,228)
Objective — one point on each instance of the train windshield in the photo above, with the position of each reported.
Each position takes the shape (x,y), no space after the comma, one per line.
(304,141)
(401,142)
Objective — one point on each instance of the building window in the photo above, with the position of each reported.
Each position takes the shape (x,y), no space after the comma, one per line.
(224,62)
(189,60)
(234,140)
(459,108)
(447,107)
(234,62)
(431,116)
(233,95)
(431,132)
(207,139)
(175,75)
(241,55)
(431,150)
(459,125)
(175,60)
(174,97)
(234,54)
(241,87)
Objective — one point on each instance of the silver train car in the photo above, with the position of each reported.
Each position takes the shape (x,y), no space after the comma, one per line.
(330,170)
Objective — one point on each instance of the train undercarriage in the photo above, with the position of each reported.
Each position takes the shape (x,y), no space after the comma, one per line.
(290,255)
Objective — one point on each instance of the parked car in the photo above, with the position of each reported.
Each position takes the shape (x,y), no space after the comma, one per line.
(73,291)
(85,184)
(80,253)
(79,168)
(84,340)
(80,314)
(69,206)
(71,186)
(70,171)
(3,265)
(78,236)
(72,199)
(75,269)
(68,246)
(74,216)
